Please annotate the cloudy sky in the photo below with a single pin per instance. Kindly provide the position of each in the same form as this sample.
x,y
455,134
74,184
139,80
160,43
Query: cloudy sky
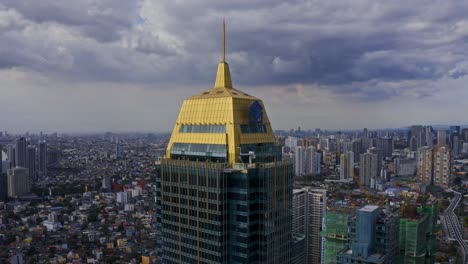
x,y
119,65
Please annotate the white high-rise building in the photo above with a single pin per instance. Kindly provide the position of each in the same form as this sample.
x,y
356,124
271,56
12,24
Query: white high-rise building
x,y
347,166
424,165
309,207
313,159
299,161
442,167
18,182
291,143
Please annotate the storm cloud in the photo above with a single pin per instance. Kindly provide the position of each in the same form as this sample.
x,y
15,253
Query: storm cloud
x,y
367,50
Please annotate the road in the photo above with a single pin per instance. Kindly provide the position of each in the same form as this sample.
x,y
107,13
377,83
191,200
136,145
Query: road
x,y
454,227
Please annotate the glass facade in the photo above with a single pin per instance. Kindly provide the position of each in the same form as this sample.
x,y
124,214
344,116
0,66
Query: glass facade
x,y
202,129
253,128
209,212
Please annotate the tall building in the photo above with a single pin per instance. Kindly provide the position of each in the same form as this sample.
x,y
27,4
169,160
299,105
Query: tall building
x,y
224,194
11,155
418,234
464,135
32,162
118,150
375,237
368,169
299,161
386,145
442,167
347,166
313,159
21,152
335,232
309,207
417,133
3,187
42,159
441,137
429,136
424,165
18,182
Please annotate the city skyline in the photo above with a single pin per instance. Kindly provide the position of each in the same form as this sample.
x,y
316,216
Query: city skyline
x,y
126,66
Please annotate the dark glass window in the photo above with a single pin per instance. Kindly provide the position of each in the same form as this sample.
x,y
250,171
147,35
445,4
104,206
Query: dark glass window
x,y
202,129
253,128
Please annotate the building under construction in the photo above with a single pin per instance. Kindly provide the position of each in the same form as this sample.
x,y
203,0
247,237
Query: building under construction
x,y
335,232
418,229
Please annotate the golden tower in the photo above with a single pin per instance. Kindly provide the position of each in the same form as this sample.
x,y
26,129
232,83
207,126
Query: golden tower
x,y
220,116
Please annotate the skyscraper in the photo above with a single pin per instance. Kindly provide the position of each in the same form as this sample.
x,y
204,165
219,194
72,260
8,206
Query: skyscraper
x,y
42,159
376,237
299,161
3,186
11,155
424,165
21,152
429,136
417,132
18,182
441,137
313,160
368,171
386,145
32,162
224,194
347,166
442,167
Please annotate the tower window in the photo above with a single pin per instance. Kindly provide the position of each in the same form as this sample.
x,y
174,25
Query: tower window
x,y
202,129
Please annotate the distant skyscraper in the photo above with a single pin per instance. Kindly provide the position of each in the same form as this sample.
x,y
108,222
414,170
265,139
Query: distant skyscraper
x,y
429,136
347,166
32,162
11,155
464,135
3,186
376,237
424,165
18,182
386,145
224,194
313,160
299,161
43,159
118,150
441,137
442,167
21,152
417,132
368,169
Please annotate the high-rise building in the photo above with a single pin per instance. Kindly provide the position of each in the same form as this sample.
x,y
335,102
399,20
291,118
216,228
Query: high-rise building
x,y
118,150
347,166
424,165
386,145
335,232
42,159
3,187
464,134
429,136
375,237
442,167
1,158
313,160
299,161
417,132
21,152
308,212
32,162
224,194
441,137
11,155
18,182
368,169
418,234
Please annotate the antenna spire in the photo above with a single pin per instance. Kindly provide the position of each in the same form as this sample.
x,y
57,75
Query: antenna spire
x,y
224,41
